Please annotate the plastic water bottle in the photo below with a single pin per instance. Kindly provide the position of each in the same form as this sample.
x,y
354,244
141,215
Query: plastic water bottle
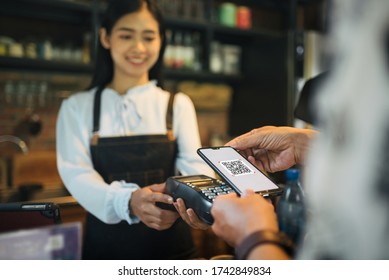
x,y
290,208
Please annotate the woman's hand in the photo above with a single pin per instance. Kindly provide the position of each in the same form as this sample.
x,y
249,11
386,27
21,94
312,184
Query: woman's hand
x,y
143,205
189,216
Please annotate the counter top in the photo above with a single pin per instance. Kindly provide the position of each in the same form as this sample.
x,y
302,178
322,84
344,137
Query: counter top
x,y
62,200
45,194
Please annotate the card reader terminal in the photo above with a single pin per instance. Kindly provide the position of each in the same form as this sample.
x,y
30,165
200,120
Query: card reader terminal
x,y
198,193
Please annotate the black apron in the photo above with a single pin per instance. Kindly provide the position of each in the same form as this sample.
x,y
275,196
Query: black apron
x,y
145,160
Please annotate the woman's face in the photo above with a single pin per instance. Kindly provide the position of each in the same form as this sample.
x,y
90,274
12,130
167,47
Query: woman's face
x,y
134,43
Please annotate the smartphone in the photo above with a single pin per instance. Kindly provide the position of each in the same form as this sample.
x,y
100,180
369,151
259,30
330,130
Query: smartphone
x,y
237,171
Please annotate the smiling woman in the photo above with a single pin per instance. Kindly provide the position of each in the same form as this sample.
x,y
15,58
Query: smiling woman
x,y
119,141
120,26
134,43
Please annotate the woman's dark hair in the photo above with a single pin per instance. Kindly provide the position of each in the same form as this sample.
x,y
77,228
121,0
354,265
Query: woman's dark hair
x,y
103,72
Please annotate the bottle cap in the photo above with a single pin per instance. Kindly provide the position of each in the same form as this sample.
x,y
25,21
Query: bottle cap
x,y
292,174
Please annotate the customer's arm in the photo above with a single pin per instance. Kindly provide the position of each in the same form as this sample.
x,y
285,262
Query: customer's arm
x,y
238,219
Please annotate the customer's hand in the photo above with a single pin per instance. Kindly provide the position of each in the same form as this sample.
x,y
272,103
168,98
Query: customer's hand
x,y
189,216
237,217
273,148
143,205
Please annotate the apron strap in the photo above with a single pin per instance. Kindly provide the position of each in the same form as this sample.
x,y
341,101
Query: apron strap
x,y
96,116
96,110
169,117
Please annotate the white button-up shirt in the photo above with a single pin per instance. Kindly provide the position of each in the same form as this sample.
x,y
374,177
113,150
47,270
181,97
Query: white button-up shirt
x,y
142,110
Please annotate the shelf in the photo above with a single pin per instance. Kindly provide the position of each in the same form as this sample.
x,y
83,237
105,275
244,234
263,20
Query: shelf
x,y
63,4
260,91
43,65
281,5
202,25
181,74
220,29
186,23
56,10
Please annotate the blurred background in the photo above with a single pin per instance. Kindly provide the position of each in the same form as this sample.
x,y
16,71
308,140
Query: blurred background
x,y
242,62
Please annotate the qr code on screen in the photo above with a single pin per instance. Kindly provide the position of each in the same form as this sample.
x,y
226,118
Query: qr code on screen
x,y
236,167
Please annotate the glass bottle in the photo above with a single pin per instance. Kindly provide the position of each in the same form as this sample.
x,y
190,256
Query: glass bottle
x,y
216,58
169,55
197,60
189,51
179,50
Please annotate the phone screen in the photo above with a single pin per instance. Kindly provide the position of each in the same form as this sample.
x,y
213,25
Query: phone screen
x,y
237,170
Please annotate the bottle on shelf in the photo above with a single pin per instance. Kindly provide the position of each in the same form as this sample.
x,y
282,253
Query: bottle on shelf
x,y
243,17
179,50
198,9
47,50
168,58
216,59
231,59
196,41
227,14
189,51
187,8
290,208
30,48
86,48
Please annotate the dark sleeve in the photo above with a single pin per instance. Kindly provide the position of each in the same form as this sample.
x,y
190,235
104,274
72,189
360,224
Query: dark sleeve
x,y
304,109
